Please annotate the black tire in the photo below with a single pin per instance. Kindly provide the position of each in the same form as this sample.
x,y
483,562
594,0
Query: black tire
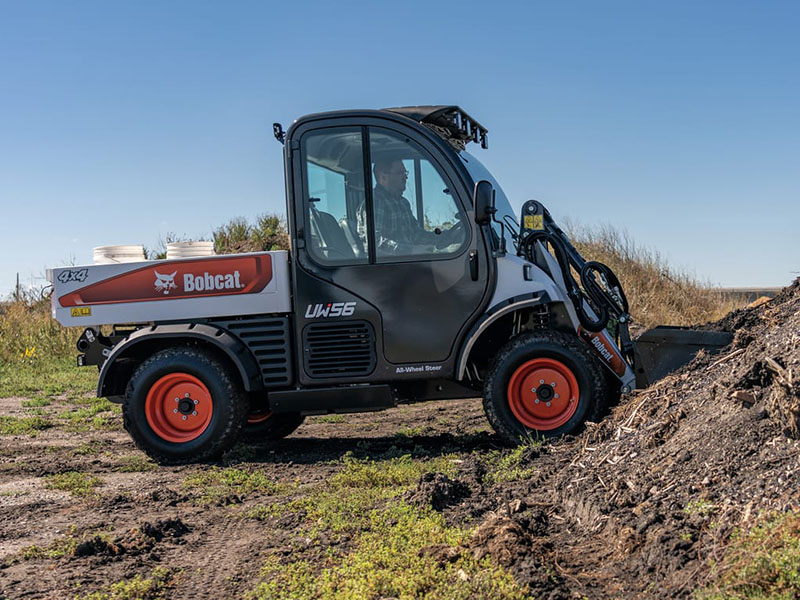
x,y
221,407
275,427
524,358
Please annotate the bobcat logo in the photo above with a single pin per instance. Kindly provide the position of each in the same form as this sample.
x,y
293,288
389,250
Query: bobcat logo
x,y
165,283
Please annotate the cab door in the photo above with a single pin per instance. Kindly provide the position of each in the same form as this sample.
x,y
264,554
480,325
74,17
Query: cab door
x,y
384,233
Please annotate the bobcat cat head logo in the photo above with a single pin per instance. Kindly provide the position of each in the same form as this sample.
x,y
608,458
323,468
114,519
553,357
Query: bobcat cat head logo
x,y
165,283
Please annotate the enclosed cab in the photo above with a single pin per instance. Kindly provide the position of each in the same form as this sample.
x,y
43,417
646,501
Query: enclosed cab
x,y
409,278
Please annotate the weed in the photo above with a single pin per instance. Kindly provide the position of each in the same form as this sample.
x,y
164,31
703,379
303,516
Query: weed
x,y
343,504
135,463
389,561
331,419
136,588
13,493
216,484
762,562
88,448
513,465
74,482
411,431
23,425
37,402
63,546
700,507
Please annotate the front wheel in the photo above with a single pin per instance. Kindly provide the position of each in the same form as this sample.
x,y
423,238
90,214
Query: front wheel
x,y
543,383
183,405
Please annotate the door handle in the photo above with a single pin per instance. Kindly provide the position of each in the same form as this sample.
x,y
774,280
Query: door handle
x,y
473,264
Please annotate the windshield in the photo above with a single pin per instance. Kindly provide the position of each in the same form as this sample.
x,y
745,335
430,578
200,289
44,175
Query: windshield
x,y
505,213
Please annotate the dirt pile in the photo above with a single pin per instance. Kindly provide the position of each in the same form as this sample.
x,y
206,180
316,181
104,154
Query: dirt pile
x,y
639,504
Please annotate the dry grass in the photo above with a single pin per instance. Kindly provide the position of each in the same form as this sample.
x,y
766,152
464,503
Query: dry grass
x,y
28,332
658,294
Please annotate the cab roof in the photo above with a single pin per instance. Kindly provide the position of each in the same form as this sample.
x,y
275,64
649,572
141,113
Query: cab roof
x,y
451,122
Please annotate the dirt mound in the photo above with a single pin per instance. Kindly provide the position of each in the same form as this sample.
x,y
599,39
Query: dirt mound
x,y
654,491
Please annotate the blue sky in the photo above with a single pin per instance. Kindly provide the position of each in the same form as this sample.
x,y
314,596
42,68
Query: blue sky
x,y
676,121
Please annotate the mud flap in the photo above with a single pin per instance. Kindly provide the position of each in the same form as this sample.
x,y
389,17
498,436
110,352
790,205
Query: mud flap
x,y
663,349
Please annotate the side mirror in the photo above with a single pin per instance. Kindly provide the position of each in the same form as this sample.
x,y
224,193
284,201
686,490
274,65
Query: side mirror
x,y
483,201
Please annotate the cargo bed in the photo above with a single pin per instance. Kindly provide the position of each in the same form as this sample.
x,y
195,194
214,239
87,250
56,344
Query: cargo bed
x,y
167,290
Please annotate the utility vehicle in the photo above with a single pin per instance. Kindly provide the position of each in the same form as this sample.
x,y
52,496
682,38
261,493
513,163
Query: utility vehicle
x,y
487,304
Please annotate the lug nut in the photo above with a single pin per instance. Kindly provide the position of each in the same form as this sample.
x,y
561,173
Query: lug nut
x,y
556,396
177,399
186,395
194,413
184,417
174,410
548,404
197,401
553,384
536,401
541,381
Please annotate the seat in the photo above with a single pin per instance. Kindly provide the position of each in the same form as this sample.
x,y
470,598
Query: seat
x,y
351,233
332,243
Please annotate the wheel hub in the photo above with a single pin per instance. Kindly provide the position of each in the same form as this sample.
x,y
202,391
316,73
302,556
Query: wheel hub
x,y
178,407
543,394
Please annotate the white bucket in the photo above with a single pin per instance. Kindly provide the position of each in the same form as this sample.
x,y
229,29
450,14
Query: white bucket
x,y
189,249
109,255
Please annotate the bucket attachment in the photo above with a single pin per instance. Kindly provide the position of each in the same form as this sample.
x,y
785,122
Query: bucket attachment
x,y
663,349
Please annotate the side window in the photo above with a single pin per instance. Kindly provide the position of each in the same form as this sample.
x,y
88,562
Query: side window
x,y
334,169
415,212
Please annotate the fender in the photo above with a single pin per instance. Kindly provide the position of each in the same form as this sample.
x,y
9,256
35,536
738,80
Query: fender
x,y
495,312
230,345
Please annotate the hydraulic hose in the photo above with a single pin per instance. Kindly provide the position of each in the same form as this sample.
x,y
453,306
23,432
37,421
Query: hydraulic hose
x,y
607,302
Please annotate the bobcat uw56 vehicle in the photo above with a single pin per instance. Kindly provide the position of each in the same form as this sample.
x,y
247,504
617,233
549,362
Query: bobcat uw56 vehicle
x,y
352,320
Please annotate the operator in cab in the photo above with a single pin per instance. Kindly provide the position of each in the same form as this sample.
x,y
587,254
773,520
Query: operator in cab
x,y
397,230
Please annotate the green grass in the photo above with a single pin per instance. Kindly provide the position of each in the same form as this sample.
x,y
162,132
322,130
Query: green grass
x,y
510,465
215,483
331,419
136,588
45,377
58,548
76,483
135,463
23,425
342,504
411,431
386,538
760,563
37,402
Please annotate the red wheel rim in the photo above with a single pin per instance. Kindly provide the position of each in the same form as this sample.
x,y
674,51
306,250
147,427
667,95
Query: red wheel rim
x,y
543,394
258,417
178,407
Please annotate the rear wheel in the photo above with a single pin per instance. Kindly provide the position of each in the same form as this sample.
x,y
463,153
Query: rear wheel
x,y
543,383
263,425
182,405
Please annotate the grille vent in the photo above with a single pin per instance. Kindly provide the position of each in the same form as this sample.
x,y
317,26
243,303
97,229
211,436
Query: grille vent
x,y
340,349
267,338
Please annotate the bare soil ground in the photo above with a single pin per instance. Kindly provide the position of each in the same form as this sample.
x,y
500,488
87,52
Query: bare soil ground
x,y
637,506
